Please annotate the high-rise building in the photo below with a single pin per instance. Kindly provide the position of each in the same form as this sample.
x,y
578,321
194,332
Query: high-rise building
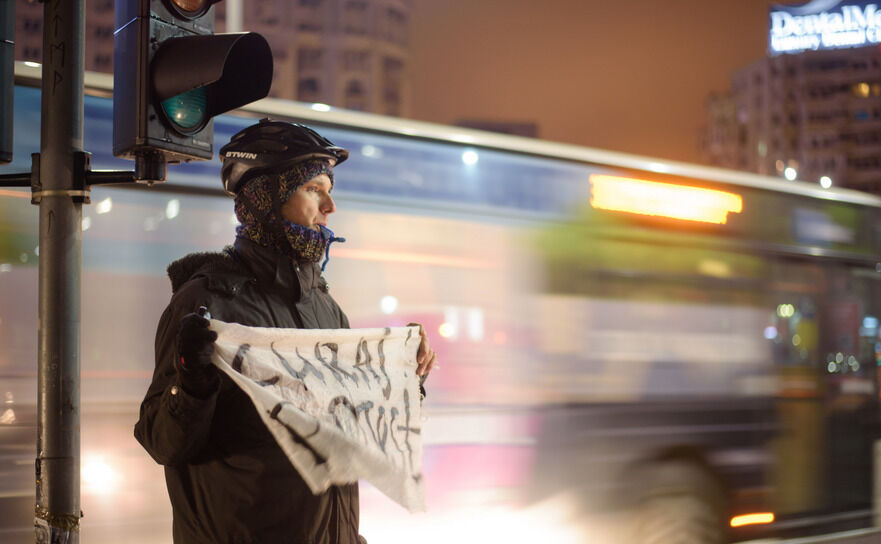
x,y
99,33
346,53
814,115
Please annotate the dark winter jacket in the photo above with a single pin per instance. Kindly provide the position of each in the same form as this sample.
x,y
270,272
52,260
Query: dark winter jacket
x,y
228,480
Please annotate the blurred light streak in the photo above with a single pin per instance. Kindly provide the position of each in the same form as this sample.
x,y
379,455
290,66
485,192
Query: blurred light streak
x,y
371,151
99,476
752,519
172,209
446,330
716,269
388,304
474,323
15,194
662,199
555,521
470,157
8,417
116,374
785,310
320,107
104,206
463,138
659,167
451,323
411,257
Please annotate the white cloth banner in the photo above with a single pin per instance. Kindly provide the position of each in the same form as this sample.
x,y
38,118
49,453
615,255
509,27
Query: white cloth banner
x,y
343,404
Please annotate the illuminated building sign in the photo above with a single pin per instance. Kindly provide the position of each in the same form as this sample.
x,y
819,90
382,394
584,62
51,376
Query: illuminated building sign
x,y
662,199
824,24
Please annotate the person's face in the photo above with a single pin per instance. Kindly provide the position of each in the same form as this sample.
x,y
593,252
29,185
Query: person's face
x,y
310,204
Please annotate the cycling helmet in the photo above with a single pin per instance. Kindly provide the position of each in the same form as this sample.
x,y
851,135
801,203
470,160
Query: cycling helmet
x,y
272,146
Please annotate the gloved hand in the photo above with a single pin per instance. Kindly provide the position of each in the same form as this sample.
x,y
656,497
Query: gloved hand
x,y
195,344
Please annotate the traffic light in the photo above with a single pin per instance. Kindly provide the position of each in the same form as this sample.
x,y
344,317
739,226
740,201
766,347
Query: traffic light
x,y
172,75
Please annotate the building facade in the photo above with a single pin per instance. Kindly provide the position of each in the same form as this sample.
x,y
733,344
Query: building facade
x,y
814,115
99,33
346,53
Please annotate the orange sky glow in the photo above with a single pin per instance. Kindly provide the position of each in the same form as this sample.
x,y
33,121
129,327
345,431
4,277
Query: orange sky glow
x,y
624,75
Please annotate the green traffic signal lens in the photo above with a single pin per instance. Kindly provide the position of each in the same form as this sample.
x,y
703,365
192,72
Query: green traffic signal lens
x,y
187,111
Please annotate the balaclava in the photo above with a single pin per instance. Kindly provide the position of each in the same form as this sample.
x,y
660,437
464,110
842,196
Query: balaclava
x,y
258,209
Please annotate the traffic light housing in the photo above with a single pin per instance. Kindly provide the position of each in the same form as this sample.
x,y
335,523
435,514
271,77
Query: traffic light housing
x,y
172,75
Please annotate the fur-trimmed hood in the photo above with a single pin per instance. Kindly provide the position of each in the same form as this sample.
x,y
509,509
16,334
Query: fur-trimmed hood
x,y
227,271
186,268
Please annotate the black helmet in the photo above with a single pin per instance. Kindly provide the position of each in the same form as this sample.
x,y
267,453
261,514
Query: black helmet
x,y
272,146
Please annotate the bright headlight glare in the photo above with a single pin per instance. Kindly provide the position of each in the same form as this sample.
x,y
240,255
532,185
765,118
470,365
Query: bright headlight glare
x,y
99,476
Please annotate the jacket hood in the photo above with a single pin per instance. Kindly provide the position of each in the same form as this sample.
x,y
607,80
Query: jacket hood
x,y
188,267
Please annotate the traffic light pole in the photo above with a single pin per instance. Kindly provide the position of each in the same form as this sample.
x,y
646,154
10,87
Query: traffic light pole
x,y
232,70
57,511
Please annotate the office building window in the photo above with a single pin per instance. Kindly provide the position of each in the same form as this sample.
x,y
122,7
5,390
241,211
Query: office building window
x,y
356,60
310,15
309,58
308,89
355,19
355,95
394,27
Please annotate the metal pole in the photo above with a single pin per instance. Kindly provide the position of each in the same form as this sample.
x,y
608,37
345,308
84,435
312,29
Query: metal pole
x,y
58,402
234,16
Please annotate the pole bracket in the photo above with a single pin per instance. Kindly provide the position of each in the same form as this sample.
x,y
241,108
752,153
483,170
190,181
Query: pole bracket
x,y
80,194
83,179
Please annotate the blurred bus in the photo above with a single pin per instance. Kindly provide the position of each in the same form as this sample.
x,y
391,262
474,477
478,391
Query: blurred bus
x,y
631,350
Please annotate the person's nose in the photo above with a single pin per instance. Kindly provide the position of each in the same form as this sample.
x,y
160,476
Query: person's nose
x,y
328,206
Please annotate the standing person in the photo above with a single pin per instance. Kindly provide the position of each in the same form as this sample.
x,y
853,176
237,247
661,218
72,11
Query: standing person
x,y
227,478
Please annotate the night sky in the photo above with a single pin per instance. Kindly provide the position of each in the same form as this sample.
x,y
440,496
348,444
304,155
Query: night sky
x,y
624,75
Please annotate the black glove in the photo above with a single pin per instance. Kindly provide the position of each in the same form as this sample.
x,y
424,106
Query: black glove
x,y
195,344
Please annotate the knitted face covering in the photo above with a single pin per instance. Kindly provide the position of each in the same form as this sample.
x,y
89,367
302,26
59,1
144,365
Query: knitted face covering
x,y
258,209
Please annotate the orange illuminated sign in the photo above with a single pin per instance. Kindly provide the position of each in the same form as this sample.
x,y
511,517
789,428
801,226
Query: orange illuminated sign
x,y
752,519
662,199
